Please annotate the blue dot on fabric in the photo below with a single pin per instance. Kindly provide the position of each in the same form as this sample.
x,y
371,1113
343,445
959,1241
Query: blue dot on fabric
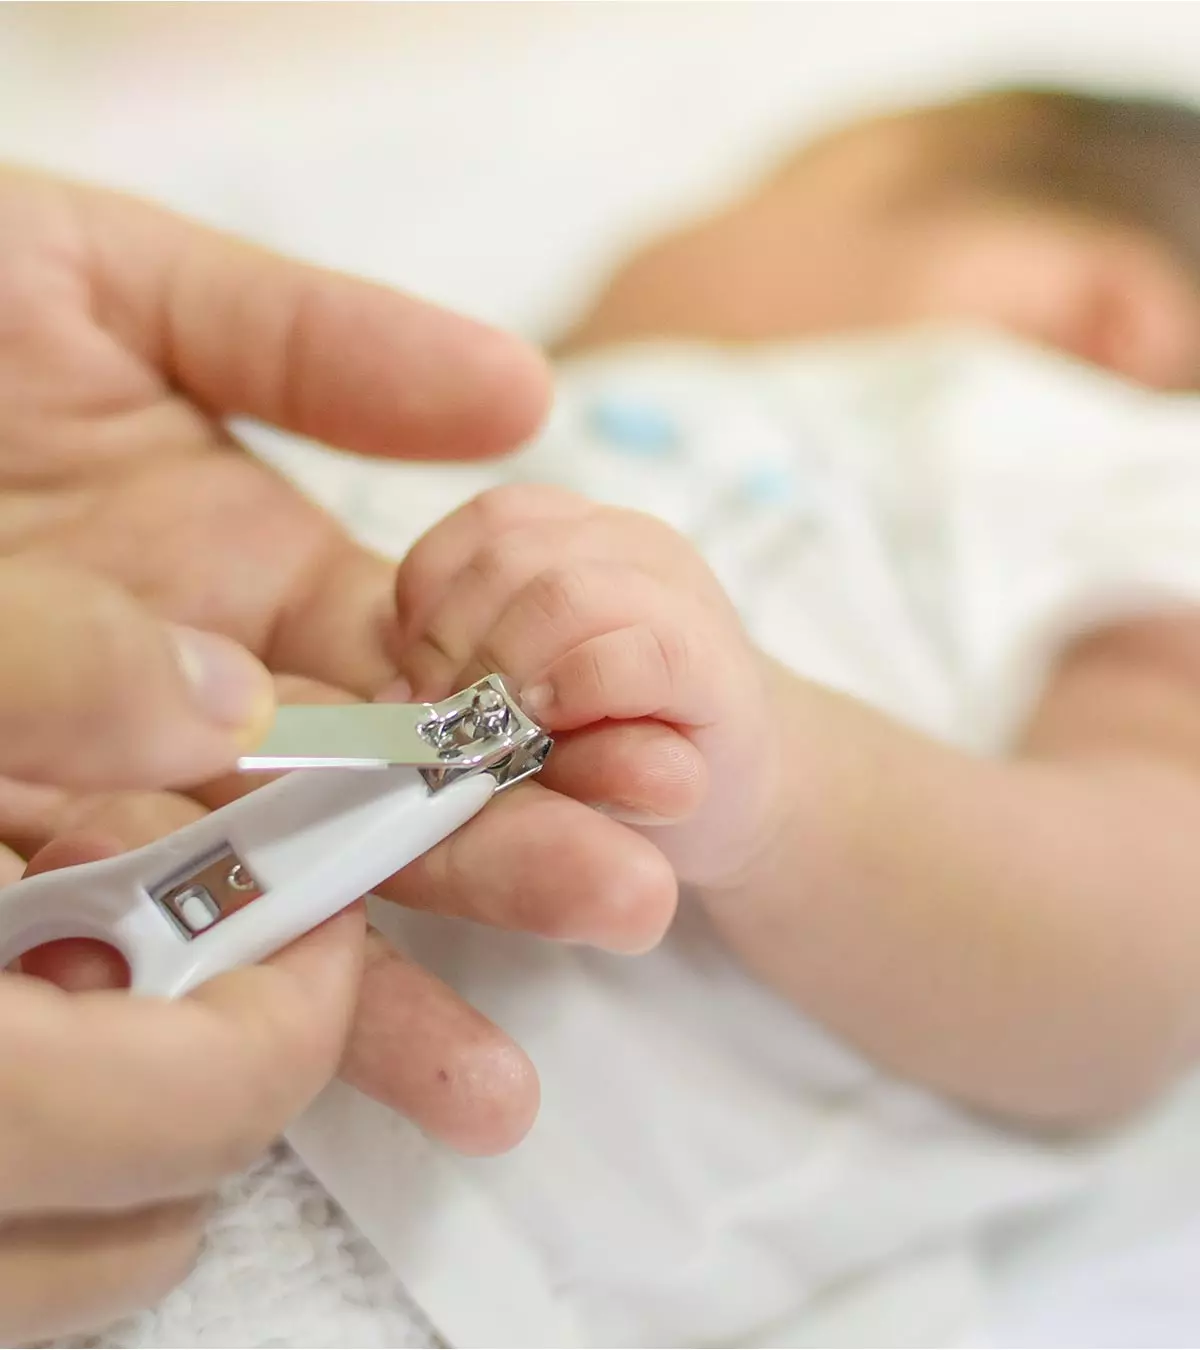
x,y
768,485
634,427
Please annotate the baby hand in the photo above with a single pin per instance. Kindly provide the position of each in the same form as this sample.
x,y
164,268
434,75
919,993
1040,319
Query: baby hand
x,y
619,640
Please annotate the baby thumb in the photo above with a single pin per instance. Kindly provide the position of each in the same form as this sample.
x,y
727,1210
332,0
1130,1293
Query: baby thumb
x,y
97,693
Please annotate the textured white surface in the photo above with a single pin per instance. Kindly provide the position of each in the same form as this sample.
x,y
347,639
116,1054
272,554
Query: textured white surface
x,y
280,1267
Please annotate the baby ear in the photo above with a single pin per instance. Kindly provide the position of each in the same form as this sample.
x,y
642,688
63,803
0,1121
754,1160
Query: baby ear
x,y
1137,312
1102,293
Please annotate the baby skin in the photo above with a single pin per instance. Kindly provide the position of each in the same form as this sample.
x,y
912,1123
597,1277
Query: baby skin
x,y
1016,933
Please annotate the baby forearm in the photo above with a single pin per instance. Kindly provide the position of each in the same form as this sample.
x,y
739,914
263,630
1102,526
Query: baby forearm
x,y
1025,936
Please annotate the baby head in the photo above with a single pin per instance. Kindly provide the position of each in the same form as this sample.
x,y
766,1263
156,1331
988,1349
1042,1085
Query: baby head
x,y
1070,219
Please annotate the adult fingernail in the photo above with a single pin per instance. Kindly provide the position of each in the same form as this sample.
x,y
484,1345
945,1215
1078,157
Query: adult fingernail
x,y
229,686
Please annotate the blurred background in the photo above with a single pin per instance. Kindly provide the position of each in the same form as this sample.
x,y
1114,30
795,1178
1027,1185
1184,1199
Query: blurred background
x,y
499,156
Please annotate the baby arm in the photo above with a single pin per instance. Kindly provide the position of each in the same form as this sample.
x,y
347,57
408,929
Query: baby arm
x,y
1020,934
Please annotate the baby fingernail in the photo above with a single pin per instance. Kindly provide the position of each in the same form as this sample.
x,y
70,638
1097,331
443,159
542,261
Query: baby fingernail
x,y
399,691
228,684
536,700
628,815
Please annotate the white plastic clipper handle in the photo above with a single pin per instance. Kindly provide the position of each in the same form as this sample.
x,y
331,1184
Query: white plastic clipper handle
x,y
298,850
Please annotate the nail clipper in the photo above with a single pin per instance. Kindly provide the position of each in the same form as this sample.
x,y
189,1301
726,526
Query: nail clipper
x,y
375,785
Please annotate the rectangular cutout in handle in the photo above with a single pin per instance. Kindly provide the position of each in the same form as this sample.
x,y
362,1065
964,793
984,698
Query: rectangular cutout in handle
x,y
212,888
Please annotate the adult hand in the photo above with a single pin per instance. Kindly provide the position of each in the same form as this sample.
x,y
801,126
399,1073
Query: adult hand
x,y
127,336
119,1115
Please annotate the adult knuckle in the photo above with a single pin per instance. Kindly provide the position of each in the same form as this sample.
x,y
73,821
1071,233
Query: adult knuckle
x,y
268,1087
66,1276
173,1255
236,1133
240,1145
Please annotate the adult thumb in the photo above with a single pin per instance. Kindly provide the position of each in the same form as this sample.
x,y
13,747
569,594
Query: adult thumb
x,y
97,693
